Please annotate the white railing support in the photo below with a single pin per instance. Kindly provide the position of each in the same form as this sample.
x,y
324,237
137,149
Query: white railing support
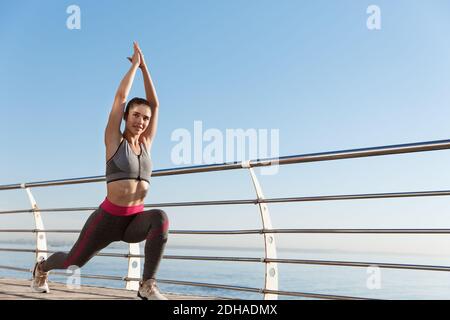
x,y
270,249
134,267
41,237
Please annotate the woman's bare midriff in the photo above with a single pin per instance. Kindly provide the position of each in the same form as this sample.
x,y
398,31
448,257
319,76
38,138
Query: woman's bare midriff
x,y
127,192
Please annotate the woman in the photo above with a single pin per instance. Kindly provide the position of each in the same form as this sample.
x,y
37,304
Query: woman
x,y
121,216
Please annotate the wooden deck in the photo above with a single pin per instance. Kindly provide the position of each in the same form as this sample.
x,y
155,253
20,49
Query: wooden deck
x,y
19,289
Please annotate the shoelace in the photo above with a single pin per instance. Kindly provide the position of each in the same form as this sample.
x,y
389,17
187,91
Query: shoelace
x,y
150,288
40,276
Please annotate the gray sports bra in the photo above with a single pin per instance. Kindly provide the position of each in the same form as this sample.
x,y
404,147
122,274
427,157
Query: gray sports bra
x,y
125,164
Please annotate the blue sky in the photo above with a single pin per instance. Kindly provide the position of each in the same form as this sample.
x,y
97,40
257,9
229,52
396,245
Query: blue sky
x,y
312,70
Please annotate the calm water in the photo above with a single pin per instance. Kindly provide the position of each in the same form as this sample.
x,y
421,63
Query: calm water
x,y
349,281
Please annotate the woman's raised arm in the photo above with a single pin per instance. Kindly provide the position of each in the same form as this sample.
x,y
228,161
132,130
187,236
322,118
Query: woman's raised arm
x,y
112,131
150,93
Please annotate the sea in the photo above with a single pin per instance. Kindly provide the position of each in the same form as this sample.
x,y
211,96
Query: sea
x,y
366,282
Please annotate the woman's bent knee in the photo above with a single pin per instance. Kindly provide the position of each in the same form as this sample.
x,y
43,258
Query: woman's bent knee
x,y
161,217
164,221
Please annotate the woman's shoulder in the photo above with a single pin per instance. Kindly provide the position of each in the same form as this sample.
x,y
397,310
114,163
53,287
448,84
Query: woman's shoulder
x,y
112,149
146,142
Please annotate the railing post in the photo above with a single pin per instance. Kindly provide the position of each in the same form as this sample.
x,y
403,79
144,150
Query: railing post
x,y
134,267
41,237
270,249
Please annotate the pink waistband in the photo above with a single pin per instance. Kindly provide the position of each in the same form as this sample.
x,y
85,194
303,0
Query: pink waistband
x,y
116,210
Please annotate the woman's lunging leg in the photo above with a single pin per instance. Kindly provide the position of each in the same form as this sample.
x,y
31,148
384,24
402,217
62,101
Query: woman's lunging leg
x,y
152,226
95,235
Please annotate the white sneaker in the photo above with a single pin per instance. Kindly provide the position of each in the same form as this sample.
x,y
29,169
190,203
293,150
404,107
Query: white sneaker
x,y
39,282
148,290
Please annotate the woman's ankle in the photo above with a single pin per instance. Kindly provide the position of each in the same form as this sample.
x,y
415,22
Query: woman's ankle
x,y
41,266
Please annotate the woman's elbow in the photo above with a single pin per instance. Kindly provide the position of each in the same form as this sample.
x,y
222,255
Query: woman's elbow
x,y
120,97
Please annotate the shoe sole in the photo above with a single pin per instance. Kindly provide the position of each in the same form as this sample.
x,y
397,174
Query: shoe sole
x,y
39,290
145,298
139,295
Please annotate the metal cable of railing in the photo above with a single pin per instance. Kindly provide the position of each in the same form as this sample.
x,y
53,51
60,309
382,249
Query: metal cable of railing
x,y
205,285
302,158
270,260
261,231
256,201
263,260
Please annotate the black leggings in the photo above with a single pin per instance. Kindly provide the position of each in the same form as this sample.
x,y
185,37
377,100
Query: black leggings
x,y
102,228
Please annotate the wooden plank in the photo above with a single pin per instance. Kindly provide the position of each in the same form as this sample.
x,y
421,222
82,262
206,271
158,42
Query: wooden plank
x,y
19,289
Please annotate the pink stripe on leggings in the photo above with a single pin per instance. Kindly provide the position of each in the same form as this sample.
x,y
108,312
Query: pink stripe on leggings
x,y
83,241
161,230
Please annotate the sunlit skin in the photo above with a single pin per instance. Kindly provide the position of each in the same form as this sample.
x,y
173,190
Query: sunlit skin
x,y
140,127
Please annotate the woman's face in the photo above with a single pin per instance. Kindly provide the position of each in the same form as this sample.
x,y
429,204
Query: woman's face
x,y
138,118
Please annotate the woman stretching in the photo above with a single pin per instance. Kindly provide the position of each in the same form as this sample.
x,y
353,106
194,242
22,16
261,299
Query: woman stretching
x,y
121,216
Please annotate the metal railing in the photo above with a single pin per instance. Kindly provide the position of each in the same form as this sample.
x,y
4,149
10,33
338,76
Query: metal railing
x,y
270,260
